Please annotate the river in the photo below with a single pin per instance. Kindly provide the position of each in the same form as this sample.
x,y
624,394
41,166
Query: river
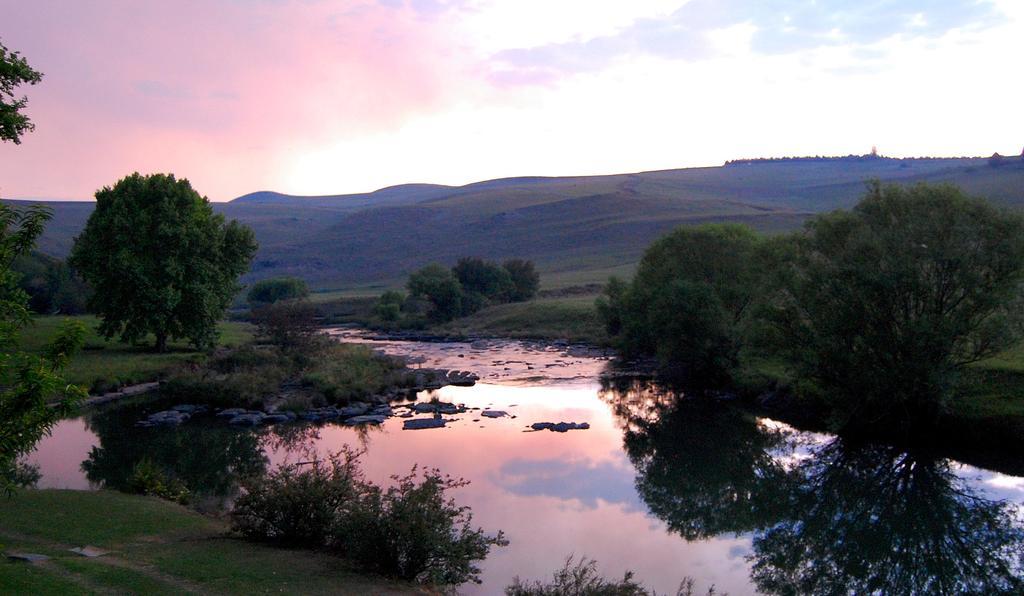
x,y
659,484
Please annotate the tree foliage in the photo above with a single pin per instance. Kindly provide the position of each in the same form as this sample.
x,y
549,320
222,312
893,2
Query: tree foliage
x,y
441,288
33,394
389,306
525,279
14,71
490,280
883,306
269,291
688,302
52,286
160,261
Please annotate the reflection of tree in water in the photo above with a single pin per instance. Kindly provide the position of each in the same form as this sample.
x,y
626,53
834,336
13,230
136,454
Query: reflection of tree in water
x,y
208,459
704,468
844,520
877,519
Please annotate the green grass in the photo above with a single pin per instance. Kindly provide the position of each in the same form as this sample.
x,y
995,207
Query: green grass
x,y
114,363
573,318
157,548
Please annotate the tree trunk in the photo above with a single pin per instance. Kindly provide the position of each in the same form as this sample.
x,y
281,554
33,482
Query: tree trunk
x,y
161,342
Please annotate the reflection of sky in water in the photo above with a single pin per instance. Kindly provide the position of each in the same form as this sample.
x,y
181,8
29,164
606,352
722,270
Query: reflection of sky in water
x,y
553,494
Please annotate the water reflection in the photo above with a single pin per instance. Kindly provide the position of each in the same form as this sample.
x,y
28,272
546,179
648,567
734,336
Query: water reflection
x,y
826,517
704,468
872,518
208,458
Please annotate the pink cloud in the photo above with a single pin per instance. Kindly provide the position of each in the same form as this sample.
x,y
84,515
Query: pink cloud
x,y
216,91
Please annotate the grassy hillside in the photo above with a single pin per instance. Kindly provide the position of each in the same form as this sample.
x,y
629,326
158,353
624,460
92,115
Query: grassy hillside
x,y
577,228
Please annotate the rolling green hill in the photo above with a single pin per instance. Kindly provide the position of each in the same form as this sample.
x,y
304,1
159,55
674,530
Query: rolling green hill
x,y
577,229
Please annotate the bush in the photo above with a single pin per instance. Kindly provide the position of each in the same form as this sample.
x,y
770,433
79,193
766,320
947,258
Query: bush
x,y
410,531
389,306
582,579
525,279
288,324
345,373
244,377
51,285
269,291
147,478
299,505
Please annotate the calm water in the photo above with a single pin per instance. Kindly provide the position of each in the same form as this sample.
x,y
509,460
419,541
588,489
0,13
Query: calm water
x,y
664,486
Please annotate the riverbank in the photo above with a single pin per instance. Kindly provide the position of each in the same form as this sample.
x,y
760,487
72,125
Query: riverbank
x,y
563,316
983,426
156,547
108,365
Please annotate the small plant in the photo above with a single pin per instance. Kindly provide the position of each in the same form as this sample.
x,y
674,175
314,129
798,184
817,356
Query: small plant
x,y
581,578
149,479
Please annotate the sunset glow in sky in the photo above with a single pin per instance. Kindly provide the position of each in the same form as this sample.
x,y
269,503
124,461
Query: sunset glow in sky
x,y
331,96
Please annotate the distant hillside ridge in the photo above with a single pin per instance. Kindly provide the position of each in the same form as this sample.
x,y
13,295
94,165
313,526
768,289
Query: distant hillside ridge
x,y
578,229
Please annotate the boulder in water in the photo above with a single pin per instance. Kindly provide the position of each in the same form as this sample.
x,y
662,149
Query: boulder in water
x,y
560,427
422,423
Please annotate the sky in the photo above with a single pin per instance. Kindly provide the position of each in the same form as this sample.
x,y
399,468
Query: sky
x,y
338,96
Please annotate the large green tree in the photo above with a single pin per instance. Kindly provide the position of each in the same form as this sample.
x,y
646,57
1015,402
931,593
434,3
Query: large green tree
x,y
160,261
883,306
439,286
688,303
14,71
33,394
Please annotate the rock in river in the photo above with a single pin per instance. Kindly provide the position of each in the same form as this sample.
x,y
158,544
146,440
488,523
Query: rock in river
x,y
247,419
560,427
494,413
367,419
165,418
422,423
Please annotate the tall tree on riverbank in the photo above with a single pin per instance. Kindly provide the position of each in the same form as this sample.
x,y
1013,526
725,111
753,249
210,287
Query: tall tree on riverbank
x,y
881,307
689,301
160,261
14,71
33,394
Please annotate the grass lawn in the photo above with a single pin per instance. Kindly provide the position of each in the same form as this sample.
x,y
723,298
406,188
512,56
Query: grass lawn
x,y
108,363
157,548
573,318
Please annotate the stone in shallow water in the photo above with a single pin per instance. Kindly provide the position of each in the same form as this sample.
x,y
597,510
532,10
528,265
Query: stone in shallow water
x,y
494,413
560,427
232,412
189,409
275,418
165,418
247,419
354,410
422,423
368,419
